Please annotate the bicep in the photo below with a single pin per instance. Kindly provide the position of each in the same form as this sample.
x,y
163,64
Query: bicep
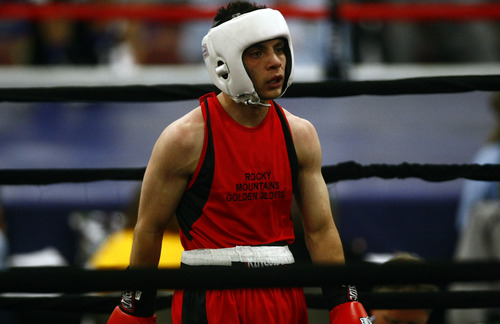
x,y
312,194
160,193
170,167
313,200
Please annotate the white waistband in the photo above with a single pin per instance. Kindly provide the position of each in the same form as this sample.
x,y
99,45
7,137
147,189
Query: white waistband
x,y
255,256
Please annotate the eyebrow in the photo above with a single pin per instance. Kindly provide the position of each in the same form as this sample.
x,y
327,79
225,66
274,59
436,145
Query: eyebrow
x,y
280,42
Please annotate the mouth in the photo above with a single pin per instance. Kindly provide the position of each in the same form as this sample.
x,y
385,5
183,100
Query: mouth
x,y
276,81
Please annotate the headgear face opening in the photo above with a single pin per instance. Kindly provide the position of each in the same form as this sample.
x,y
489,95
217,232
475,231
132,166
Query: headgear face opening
x,y
223,48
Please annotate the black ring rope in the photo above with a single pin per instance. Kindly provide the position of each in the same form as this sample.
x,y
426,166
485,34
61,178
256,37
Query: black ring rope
x,y
418,300
343,171
71,303
52,176
105,304
76,280
327,89
430,172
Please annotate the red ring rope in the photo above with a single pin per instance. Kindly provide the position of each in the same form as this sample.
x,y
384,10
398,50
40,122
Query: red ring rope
x,y
167,12
351,12
355,12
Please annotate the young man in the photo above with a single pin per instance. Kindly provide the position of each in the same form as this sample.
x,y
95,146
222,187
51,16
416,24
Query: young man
x,y
228,170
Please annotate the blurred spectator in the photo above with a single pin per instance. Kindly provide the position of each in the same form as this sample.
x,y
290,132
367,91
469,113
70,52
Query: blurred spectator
x,y
478,225
479,229
142,42
403,316
15,42
479,241
476,191
399,41
126,44
61,41
153,42
92,227
115,251
440,42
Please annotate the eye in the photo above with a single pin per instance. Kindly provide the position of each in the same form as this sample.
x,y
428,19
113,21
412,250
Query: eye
x,y
255,53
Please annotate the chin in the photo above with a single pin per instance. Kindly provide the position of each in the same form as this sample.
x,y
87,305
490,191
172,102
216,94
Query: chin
x,y
270,95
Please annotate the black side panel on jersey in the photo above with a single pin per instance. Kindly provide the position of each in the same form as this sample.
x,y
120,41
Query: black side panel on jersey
x,y
195,198
290,147
194,309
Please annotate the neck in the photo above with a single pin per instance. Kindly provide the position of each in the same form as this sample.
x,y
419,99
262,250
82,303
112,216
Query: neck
x,y
246,115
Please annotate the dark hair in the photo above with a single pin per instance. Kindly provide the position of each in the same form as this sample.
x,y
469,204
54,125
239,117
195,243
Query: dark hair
x,y
234,9
406,258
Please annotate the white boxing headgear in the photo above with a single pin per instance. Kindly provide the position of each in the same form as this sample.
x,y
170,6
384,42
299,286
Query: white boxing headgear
x,y
223,48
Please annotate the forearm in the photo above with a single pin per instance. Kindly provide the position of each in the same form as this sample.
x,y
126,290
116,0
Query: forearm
x,y
325,247
146,248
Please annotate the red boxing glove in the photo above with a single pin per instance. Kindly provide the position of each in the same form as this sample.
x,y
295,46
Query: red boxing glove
x,y
120,317
349,313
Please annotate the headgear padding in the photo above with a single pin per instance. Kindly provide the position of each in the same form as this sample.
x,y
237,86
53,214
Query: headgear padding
x,y
223,48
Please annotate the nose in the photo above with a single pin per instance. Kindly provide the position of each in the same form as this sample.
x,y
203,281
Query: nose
x,y
274,61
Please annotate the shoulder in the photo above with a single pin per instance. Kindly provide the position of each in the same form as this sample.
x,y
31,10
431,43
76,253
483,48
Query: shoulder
x,y
299,126
185,130
305,138
181,142
303,131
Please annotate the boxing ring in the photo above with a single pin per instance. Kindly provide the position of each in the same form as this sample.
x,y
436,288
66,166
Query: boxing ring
x,y
74,283
75,288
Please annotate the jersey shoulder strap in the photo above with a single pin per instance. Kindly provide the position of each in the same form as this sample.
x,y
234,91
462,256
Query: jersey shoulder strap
x,y
290,147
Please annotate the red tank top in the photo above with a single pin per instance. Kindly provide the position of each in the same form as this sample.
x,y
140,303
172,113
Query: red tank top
x,y
241,191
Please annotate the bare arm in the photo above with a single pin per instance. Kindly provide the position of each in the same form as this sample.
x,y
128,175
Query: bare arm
x,y
321,235
172,163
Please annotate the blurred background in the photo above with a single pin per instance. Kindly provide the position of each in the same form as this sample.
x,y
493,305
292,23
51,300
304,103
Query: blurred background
x,y
65,224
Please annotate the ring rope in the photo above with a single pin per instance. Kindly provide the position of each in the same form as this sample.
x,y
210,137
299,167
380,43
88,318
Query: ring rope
x,y
425,12
429,172
76,280
416,300
171,13
326,89
53,176
178,13
343,171
71,303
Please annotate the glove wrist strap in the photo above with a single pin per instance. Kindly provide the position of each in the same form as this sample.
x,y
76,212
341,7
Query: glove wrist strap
x,y
336,295
140,303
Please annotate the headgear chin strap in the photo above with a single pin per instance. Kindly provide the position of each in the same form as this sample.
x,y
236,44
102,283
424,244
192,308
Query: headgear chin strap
x,y
223,48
